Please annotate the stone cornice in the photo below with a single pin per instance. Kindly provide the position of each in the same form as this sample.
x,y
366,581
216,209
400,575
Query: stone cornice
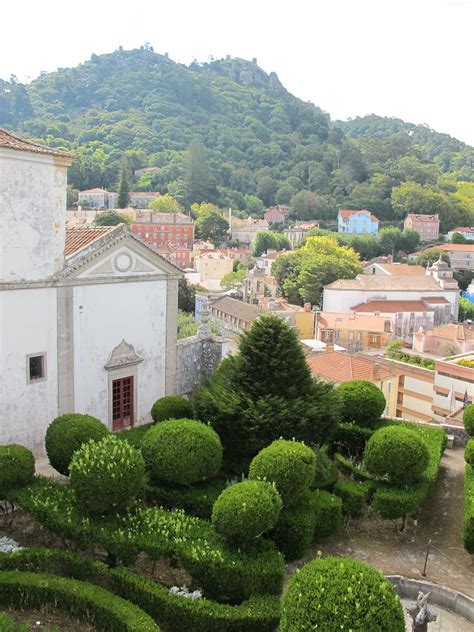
x,y
53,283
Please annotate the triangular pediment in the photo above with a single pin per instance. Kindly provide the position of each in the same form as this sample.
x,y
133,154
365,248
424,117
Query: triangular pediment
x,y
123,257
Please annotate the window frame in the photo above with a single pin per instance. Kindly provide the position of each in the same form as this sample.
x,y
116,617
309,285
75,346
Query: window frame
x,y
44,376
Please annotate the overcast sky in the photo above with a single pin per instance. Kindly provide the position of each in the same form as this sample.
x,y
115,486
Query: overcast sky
x,y
412,59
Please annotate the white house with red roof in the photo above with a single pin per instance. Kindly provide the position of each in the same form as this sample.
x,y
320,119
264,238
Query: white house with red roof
x,y
353,222
88,316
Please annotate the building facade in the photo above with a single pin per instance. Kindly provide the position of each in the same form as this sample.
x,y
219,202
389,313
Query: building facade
x,y
276,214
466,231
357,222
427,226
297,233
356,332
461,256
170,234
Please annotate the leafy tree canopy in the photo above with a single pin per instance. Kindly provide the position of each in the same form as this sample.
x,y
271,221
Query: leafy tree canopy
x,y
164,204
111,218
269,240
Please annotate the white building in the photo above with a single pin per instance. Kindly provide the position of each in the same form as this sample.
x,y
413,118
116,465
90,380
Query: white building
x,y
88,318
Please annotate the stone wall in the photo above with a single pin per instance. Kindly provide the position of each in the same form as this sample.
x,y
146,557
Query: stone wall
x,y
197,357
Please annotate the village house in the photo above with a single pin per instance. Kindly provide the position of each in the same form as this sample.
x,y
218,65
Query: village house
x,y
212,267
170,234
448,339
357,222
102,199
259,283
394,269
88,315
461,256
245,230
356,332
276,214
427,226
466,231
297,233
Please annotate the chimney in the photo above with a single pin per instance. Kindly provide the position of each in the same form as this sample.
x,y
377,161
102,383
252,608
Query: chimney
x,y
376,371
271,304
307,307
329,347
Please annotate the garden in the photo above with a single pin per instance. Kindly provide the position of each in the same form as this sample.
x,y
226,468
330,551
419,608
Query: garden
x,y
190,522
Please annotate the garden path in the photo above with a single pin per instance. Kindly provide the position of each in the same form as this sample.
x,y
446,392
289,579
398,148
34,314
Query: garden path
x,y
376,541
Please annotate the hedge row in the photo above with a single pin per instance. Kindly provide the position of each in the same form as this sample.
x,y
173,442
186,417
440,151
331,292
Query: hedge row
x,y
197,500
468,532
346,466
353,496
86,602
174,612
395,502
189,542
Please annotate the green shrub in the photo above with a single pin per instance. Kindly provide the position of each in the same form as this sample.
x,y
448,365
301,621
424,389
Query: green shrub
x,y
134,436
107,475
468,420
294,531
328,513
356,597
353,496
192,544
17,467
182,451
81,600
66,434
245,511
197,500
260,613
326,473
291,465
172,407
469,452
468,528
397,453
347,467
361,402
351,439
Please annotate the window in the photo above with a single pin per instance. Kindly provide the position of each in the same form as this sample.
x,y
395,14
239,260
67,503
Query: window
x,y
122,403
36,368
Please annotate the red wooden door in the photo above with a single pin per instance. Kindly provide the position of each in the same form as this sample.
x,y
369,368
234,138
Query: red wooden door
x,y
122,403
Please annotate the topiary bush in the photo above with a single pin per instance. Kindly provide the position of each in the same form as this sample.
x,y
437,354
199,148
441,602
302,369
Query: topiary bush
x,y
356,597
172,407
17,467
326,473
398,453
291,465
361,402
182,451
353,496
246,510
66,434
468,420
469,452
107,475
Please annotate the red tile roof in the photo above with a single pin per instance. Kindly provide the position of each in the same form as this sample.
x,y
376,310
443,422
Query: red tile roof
x,y
455,247
435,299
77,238
403,269
96,190
9,140
348,213
343,367
392,307
421,217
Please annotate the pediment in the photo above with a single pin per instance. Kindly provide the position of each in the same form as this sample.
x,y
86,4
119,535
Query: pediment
x,y
123,354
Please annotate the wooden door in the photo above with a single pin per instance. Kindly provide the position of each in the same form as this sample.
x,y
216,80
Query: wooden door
x,y
122,403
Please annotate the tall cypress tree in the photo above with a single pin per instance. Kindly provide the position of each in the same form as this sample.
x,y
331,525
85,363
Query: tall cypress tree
x,y
198,179
123,197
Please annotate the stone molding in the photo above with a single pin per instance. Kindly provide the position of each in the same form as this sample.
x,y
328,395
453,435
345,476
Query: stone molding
x,y
123,355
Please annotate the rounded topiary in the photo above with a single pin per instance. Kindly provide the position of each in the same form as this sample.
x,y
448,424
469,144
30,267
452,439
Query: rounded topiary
x,y
334,594
66,434
398,453
107,475
468,420
172,407
469,452
361,402
17,467
289,464
182,451
246,510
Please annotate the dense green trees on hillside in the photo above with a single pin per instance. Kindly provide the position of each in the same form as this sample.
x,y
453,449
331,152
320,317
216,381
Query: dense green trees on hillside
x,y
229,134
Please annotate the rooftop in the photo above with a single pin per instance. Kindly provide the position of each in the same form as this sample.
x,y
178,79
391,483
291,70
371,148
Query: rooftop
x,y
343,367
348,213
237,309
402,269
147,217
454,331
423,218
387,283
455,247
78,238
10,141
361,322
392,307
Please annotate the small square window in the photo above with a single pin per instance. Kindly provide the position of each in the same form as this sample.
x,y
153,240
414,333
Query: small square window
x,y
36,368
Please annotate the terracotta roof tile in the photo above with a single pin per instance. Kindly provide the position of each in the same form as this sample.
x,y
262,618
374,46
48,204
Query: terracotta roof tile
x,y
387,283
392,307
403,269
343,367
432,300
455,247
423,218
238,309
348,213
357,322
9,140
77,238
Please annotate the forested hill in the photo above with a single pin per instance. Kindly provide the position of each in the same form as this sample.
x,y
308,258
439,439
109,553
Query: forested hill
x,y
262,144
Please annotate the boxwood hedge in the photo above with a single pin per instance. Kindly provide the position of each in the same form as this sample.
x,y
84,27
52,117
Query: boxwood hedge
x,y
17,467
197,500
328,513
468,530
353,496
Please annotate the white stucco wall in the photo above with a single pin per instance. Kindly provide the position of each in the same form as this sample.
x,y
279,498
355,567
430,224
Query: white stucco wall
x,y
33,205
103,315
27,326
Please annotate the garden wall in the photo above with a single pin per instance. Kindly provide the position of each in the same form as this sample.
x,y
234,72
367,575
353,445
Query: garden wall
x,y
197,357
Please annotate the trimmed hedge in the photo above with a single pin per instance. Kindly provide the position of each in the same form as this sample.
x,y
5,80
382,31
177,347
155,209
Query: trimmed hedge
x,y
356,597
66,434
294,531
290,465
326,473
353,496
395,502
191,543
351,438
397,453
197,500
107,475
260,613
469,452
172,407
468,530
133,436
182,451
468,420
86,602
328,513
17,467
361,402
346,466
245,511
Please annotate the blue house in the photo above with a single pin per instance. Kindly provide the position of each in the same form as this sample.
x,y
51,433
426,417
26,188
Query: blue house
x,y
357,223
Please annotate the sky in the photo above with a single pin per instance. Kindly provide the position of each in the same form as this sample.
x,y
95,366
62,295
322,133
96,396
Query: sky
x,y
412,59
